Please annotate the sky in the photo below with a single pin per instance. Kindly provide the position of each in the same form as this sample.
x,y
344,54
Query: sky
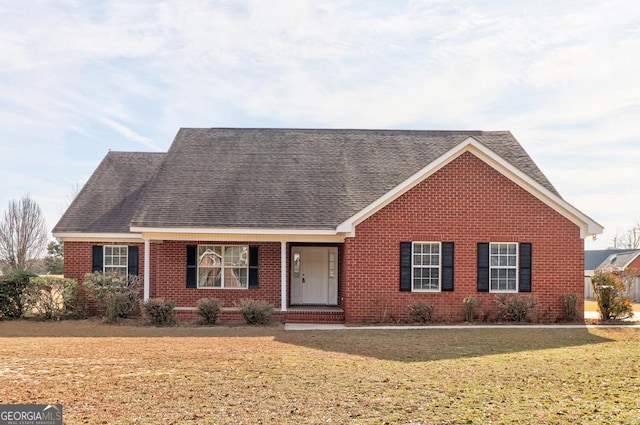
x,y
80,78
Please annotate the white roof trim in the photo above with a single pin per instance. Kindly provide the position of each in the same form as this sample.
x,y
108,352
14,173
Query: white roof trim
x,y
97,236
236,231
588,227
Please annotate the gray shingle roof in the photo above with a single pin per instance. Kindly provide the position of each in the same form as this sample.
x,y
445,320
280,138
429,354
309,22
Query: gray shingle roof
x,y
602,258
618,261
110,197
295,178
271,178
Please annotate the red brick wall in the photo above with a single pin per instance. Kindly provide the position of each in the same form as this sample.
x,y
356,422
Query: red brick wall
x,y
77,258
78,262
465,202
168,278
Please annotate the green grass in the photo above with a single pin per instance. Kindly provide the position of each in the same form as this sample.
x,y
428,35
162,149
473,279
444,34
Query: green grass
x,y
126,374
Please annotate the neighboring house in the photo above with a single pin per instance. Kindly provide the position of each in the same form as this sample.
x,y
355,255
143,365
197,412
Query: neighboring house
x,y
331,225
612,260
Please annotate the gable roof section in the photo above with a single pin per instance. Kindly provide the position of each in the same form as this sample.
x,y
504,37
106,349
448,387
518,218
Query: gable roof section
x,y
110,197
619,261
525,181
296,178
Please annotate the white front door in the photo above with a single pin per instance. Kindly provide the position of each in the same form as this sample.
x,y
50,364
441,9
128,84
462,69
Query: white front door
x,y
314,275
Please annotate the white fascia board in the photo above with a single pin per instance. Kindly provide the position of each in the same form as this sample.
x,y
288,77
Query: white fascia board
x,y
235,231
588,227
97,236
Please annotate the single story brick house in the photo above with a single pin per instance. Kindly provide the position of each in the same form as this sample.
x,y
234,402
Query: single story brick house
x,y
331,225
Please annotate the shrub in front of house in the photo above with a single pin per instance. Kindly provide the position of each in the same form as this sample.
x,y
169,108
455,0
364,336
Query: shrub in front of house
x,y
160,311
51,297
515,307
469,305
255,312
12,287
116,295
610,296
208,310
570,308
421,312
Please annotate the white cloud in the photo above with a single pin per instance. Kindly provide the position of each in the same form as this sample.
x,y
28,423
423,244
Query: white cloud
x,y
130,134
79,77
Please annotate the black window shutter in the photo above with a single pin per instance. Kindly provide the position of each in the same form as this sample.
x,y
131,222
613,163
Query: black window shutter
x,y
525,267
483,267
97,259
405,266
447,266
192,266
253,266
132,263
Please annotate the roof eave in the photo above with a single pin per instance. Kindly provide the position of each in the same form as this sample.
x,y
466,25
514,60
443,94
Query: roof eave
x,y
236,230
98,236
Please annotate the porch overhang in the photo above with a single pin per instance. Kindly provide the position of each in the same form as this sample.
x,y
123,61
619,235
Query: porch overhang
x,y
240,234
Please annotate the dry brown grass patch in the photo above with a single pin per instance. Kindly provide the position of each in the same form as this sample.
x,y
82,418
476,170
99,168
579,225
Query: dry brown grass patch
x,y
126,374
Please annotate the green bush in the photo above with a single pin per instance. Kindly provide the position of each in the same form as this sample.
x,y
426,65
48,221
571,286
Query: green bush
x,y
255,312
470,304
421,312
116,296
12,287
52,297
515,307
570,308
160,311
208,310
609,291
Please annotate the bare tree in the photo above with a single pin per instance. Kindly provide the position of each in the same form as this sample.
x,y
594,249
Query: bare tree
x,y
71,195
629,239
23,233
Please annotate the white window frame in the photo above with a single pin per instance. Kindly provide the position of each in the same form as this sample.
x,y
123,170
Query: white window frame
x,y
515,267
223,267
112,267
420,266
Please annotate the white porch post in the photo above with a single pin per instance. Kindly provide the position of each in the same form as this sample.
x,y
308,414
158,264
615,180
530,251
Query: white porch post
x,y
146,269
283,275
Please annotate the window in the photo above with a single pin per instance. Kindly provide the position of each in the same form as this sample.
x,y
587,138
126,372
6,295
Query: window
x,y
221,266
115,259
426,266
296,264
332,265
503,267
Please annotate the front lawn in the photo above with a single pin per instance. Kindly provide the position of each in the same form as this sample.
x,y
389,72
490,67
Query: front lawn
x,y
128,374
